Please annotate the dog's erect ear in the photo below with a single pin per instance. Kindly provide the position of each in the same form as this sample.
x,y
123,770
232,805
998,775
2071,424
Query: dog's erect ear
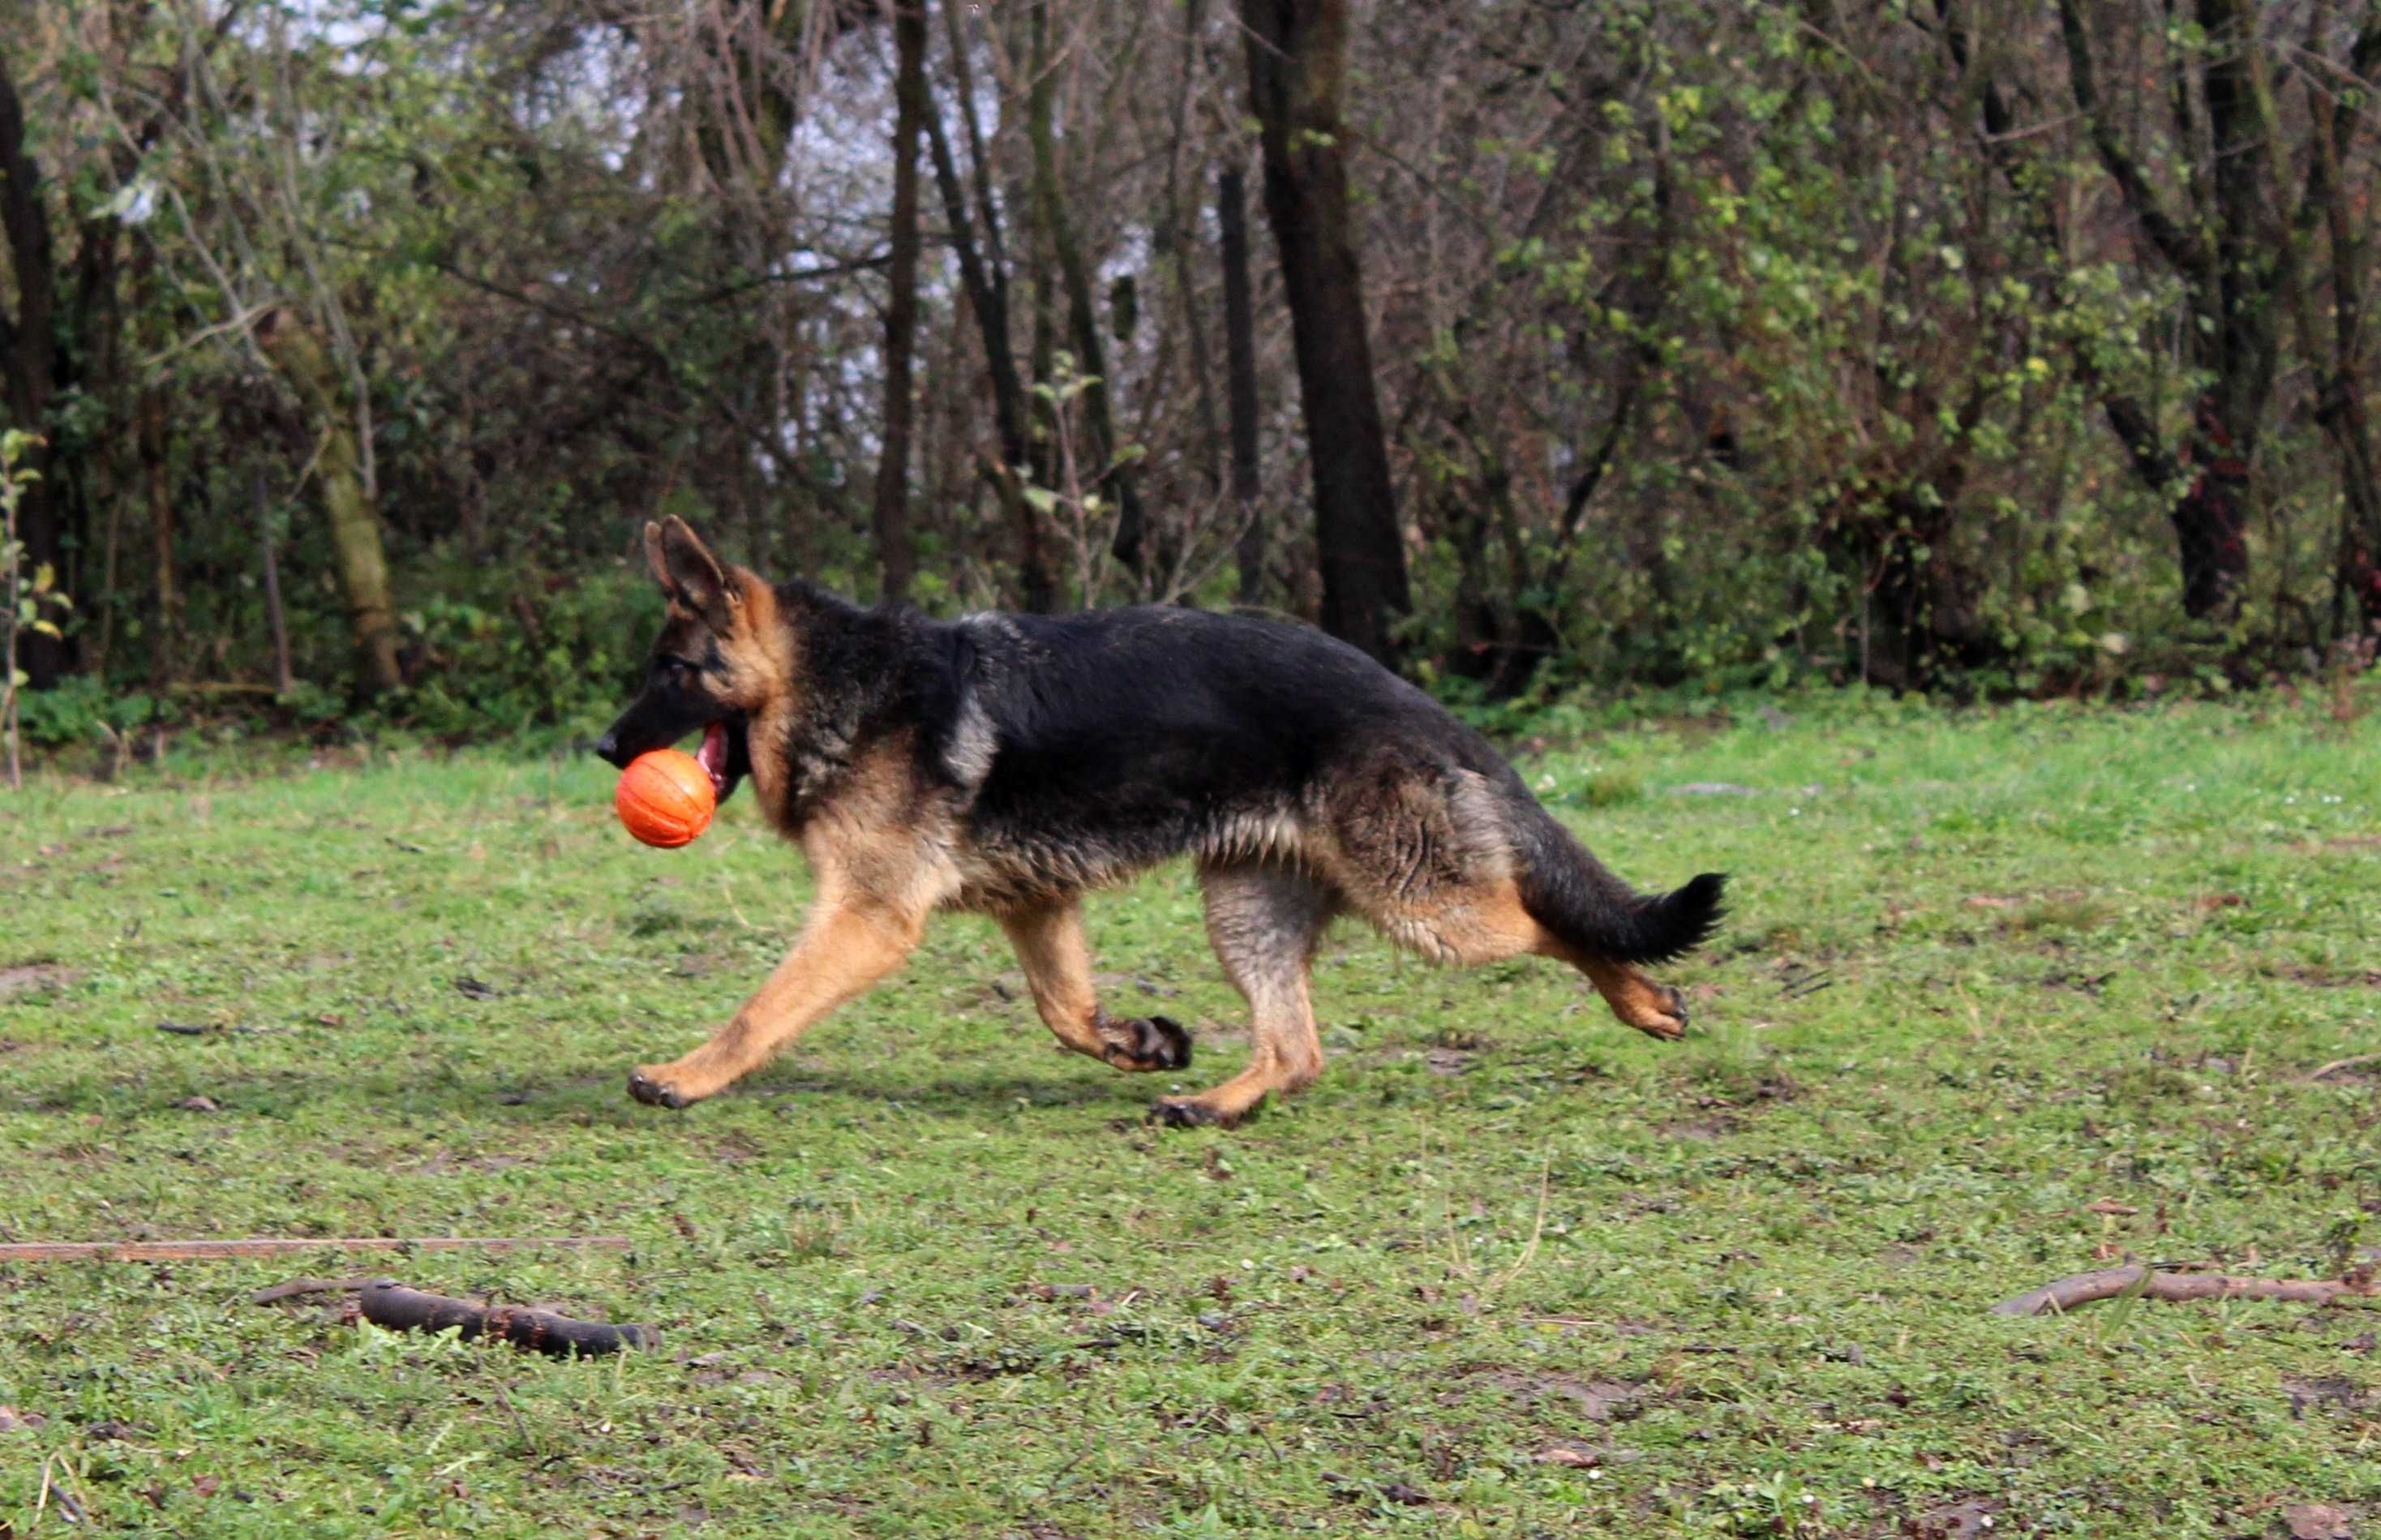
x,y
688,573
654,558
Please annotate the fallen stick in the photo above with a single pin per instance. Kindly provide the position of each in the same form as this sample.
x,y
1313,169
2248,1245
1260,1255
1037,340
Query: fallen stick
x,y
201,1250
386,1302
207,1029
2107,1283
296,1287
2351,1062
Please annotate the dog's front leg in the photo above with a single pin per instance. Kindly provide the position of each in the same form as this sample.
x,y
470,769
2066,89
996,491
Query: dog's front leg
x,y
851,941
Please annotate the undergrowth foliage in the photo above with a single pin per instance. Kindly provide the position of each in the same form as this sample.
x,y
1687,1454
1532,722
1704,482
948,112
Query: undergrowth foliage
x,y
1714,347
497,654
30,602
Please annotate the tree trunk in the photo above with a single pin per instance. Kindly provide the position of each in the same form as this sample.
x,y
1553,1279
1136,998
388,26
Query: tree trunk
x,y
157,484
1042,360
362,565
92,335
1082,317
1502,635
1178,247
2359,554
2234,259
2212,517
896,553
2350,429
30,343
2340,405
982,273
1896,644
1240,370
1297,52
2251,268
283,681
1476,628
2208,510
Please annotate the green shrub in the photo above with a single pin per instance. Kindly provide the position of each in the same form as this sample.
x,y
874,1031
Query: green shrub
x,y
505,653
78,708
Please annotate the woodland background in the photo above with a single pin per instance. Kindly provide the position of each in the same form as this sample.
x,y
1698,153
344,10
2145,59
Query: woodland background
x,y
1963,346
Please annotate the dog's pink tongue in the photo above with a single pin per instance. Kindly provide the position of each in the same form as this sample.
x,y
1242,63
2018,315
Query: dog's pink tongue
x,y
712,755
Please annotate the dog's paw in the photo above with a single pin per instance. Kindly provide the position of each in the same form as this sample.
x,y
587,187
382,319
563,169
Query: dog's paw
x,y
1146,1042
1671,1025
1188,1112
646,1085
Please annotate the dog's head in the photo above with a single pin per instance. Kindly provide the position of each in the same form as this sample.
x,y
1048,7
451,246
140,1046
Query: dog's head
x,y
714,665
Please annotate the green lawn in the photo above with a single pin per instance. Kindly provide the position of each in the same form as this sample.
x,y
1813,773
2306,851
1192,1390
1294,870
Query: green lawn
x,y
1510,1268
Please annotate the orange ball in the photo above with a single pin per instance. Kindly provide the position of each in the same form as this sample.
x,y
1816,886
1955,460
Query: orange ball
x,y
665,798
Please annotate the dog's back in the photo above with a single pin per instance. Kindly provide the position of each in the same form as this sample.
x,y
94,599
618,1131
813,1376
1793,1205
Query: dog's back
x,y
1121,738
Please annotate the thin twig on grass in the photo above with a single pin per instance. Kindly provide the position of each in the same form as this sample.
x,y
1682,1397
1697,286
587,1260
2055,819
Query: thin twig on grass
x,y
296,1287
1537,1233
68,1509
201,1250
211,1029
2349,1063
520,1426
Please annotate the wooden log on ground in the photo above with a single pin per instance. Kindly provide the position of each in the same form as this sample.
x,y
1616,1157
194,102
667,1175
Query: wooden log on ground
x,y
387,1304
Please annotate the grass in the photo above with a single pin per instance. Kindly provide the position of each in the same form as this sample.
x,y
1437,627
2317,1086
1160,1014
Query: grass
x,y
1508,1269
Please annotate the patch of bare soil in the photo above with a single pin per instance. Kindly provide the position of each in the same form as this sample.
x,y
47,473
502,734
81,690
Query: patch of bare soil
x,y
38,977
2319,1522
1599,1400
2329,1395
1955,1521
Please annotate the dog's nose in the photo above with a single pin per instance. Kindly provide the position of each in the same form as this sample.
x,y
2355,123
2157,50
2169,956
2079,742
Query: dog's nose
x,y
607,749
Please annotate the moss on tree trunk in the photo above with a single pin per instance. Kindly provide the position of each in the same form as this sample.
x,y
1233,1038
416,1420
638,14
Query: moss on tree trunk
x,y
357,554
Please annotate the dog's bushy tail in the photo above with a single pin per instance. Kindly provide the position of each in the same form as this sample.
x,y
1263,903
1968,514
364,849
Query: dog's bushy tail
x,y
1569,892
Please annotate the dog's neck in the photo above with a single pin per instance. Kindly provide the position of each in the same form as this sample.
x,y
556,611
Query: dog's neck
x,y
845,664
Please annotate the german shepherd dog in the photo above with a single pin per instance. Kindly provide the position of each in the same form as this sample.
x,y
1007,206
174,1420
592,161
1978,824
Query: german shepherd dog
x,y
1008,763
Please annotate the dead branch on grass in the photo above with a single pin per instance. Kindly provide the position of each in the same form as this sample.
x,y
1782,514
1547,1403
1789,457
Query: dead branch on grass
x,y
2179,1286
389,1305
2351,1062
203,1251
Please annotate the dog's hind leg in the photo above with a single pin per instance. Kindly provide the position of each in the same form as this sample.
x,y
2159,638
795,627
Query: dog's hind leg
x,y
1049,942
1486,921
1656,1009
1265,921
1433,866
851,941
